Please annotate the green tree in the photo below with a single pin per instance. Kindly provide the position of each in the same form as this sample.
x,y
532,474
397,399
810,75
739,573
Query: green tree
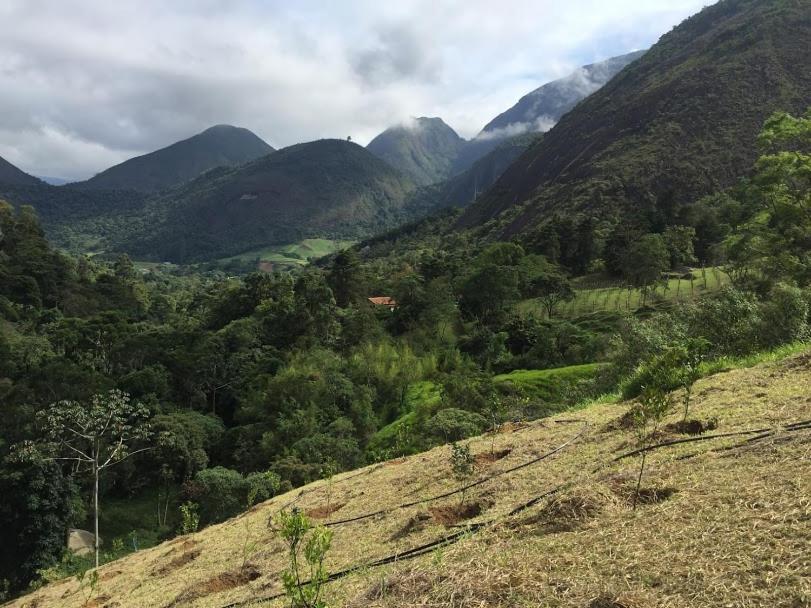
x,y
307,547
552,289
96,435
645,261
654,404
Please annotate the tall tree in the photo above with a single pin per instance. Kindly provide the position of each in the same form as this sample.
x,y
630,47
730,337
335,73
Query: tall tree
x,y
96,435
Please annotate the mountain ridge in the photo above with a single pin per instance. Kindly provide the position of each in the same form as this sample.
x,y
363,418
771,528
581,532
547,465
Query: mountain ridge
x,y
671,127
219,145
9,174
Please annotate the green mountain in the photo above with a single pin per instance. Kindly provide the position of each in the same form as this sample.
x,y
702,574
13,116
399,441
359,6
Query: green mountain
x,y
464,188
326,188
424,148
672,126
540,109
219,146
11,175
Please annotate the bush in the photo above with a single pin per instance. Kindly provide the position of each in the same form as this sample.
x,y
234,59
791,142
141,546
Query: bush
x,y
784,318
730,321
452,424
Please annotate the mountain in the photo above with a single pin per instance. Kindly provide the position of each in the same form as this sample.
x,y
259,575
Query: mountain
x,y
219,146
54,181
543,107
678,123
11,175
423,148
464,188
323,188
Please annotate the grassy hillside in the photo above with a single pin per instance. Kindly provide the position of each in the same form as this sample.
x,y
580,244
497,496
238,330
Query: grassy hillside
x,y
329,189
292,255
721,522
676,124
218,146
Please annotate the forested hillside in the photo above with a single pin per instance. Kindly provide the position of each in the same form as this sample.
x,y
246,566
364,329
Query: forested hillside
x,y
11,175
218,146
676,124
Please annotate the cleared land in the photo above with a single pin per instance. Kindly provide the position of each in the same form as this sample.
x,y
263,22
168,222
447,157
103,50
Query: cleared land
x,y
294,254
600,294
724,520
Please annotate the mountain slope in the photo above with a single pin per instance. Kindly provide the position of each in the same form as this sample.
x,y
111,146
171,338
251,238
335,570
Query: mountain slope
x,y
678,123
218,146
550,524
424,148
11,175
464,188
328,188
543,107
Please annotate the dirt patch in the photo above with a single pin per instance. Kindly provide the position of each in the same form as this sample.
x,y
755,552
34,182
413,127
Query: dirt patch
x,y
692,426
511,427
97,602
489,457
569,510
177,563
395,461
414,524
217,584
448,515
623,423
624,487
110,575
397,586
187,544
324,510
609,601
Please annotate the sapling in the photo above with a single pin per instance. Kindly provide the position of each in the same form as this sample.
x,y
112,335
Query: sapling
x,y
312,544
691,369
88,584
189,517
328,471
654,405
461,465
496,410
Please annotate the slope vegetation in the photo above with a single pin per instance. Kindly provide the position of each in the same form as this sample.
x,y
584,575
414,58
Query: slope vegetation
x,y
11,175
424,149
722,519
218,146
676,124
327,188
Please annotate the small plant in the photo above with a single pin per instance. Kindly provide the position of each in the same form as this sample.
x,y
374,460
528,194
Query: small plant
x,y
312,544
691,369
654,405
328,471
461,464
190,517
88,584
495,410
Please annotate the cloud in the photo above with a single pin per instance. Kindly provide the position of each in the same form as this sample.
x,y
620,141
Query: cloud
x,y
87,84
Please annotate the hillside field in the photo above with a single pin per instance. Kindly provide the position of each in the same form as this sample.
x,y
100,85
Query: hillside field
x,y
723,519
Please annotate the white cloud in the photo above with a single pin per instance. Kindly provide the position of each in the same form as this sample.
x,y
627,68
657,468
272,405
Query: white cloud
x,y
88,83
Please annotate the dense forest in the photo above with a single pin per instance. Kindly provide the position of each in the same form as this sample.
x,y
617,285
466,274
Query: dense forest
x,y
210,392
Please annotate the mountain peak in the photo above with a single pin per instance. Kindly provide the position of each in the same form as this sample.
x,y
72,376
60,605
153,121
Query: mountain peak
x,y
218,146
9,174
540,109
424,148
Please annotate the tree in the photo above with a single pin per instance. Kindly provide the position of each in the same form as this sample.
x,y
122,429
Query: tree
x,y
654,404
345,278
96,435
645,261
679,241
462,464
552,289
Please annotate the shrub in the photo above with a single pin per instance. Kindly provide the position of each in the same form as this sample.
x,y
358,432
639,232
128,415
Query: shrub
x,y
452,424
784,317
312,544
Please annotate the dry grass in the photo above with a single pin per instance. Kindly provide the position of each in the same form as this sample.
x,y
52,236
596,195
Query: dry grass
x,y
733,532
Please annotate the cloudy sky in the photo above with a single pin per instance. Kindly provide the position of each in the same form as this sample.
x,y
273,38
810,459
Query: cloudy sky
x,y
88,83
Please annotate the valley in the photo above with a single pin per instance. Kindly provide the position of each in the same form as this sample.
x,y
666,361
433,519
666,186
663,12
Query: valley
x,y
557,354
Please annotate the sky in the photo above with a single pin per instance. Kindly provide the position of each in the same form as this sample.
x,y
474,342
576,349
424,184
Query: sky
x,y
87,84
